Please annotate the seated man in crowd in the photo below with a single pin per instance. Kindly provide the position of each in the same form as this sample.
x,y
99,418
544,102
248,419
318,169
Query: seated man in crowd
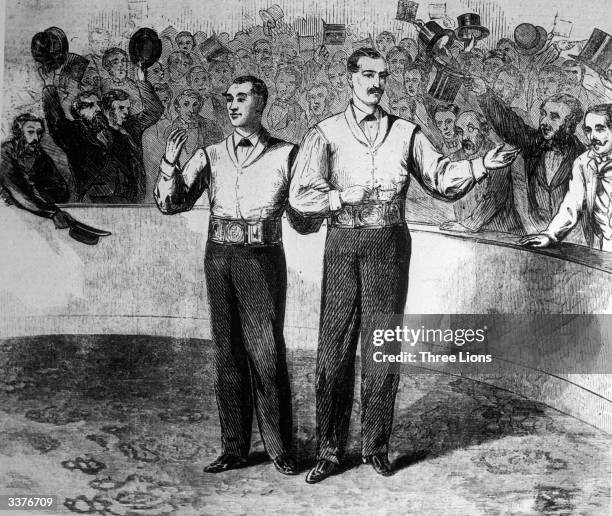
x,y
29,178
318,99
490,205
115,63
200,132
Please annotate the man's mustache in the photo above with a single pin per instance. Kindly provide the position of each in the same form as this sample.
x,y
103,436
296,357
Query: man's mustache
x,y
375,89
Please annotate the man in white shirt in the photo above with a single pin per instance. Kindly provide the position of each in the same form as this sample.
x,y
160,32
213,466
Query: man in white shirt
x,y
590,189
354,169
247,176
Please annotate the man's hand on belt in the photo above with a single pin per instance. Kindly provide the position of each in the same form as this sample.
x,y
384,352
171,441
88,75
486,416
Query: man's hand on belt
x,y
355,195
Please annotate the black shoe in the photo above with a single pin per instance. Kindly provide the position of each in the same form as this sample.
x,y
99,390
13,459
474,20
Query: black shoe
x,y
225,462
323,469
285,464
380,463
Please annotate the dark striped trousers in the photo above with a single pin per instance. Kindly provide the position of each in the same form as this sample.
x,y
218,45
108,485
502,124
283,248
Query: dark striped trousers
x,y
247,288
365,272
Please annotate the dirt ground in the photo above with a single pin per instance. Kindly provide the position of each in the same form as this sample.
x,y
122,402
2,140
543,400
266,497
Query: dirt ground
x,y
118,425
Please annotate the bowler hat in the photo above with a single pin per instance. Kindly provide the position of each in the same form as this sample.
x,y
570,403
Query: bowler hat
x,y
50,48
597,53
530,39
469,26
145,47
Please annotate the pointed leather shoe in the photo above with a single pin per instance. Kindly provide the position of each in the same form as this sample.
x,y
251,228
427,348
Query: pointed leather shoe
x,y
322,469
285,464
380,463
225,462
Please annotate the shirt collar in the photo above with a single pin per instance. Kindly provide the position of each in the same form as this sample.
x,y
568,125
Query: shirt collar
x,y
253,138
360,114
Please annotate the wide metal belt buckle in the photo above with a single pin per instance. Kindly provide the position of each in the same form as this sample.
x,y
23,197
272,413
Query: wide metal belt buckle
x,y
371,216
255,233
235,233
345,218
216,231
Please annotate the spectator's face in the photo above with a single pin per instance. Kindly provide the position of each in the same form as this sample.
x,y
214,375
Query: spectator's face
x,y
508,50
397,61
32,132
184,43
263,53
118,66
552,118
491,67
445,122
220,77
200,81
412,82
163,94
178,66
337,77
286,85
410,46
155,73
120,110
317,98
596,129
188,107
470,133
384,43
369,82
91,107
548,85
573,75
506,86
243,107
401,108
244,59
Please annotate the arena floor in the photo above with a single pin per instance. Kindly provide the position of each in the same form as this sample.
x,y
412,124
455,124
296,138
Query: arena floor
x,y
118,425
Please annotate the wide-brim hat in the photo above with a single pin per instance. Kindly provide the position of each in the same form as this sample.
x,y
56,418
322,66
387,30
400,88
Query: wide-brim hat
x,y
445,81
50,48
145,47
530,39
597,53
431,33
470,26
406,11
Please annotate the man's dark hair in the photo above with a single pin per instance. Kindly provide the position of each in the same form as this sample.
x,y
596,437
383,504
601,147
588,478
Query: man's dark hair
x,y
601,109
78,102
108,54
183,34
352,63
258,87
22,119
576,111
111,96
163,86
443,108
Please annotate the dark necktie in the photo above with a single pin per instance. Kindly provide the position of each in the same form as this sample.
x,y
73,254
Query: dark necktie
x,y
245,142
370,118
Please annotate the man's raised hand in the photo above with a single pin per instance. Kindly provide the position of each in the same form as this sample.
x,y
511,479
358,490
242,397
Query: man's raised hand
x,y
498,158
174,145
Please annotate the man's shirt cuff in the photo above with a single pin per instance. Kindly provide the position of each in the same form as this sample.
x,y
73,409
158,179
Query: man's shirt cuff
x,y
334,200
167,169
478,169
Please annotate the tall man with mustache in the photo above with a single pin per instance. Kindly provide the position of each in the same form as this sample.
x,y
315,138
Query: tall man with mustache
x,y
548,151
588,198
354,168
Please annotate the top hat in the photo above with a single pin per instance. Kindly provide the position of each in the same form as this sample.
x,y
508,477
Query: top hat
x,y
445,81
406,11
530,39
433,36
597,53
469,26
50,48
145,47
334,33
212,49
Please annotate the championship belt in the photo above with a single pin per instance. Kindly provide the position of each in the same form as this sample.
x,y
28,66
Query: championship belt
x,y
369,216
242,232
